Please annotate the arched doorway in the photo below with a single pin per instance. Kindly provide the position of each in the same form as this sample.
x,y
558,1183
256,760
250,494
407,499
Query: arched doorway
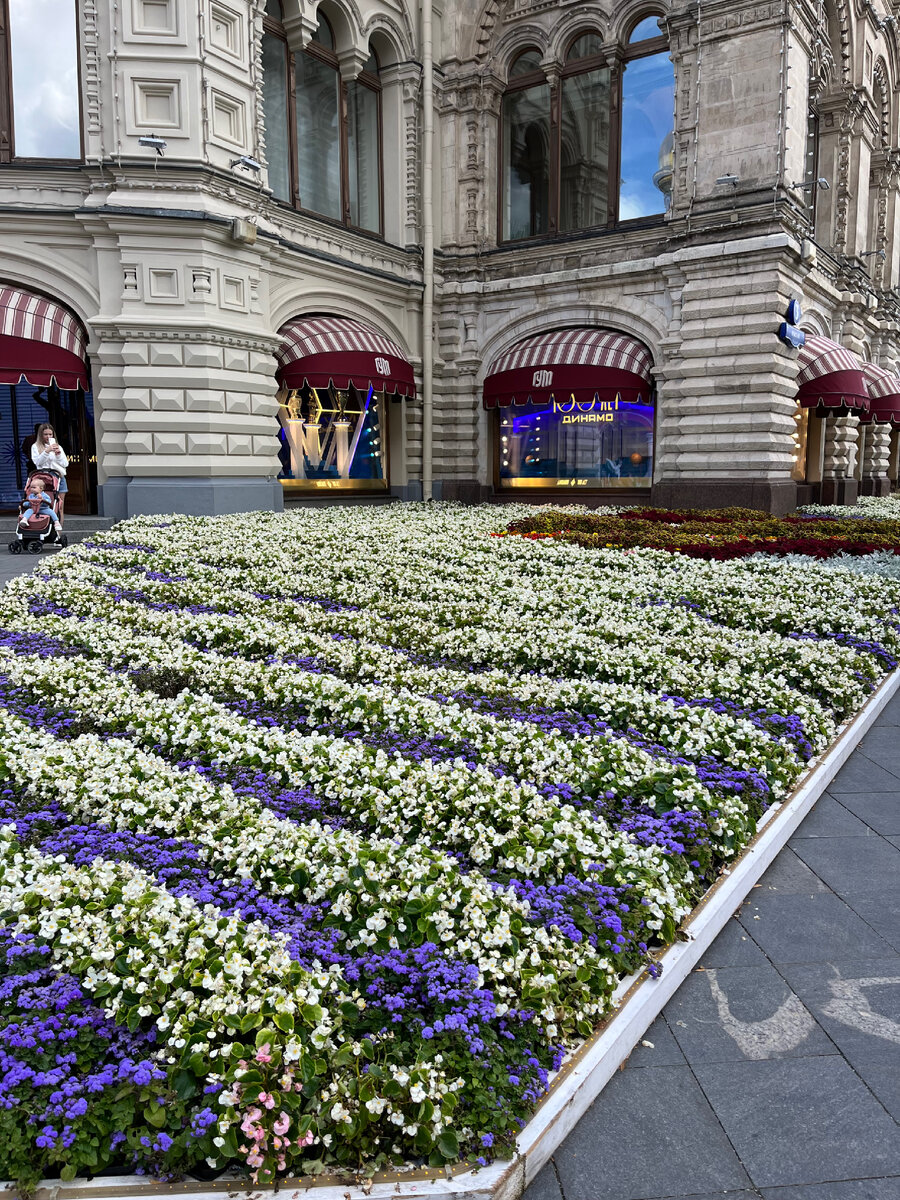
x,y
337,377
44,377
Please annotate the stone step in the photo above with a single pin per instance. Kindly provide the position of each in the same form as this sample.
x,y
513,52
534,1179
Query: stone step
x,y
346,501
90,524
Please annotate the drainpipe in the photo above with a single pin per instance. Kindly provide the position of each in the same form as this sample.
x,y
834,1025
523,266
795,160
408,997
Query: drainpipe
x,y
427,246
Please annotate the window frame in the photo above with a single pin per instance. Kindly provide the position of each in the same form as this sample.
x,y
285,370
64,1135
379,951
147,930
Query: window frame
x,y
615,58
8,156
365,79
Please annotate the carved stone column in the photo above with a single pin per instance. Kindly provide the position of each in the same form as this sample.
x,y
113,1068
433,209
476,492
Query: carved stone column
x,y
876,461
839,485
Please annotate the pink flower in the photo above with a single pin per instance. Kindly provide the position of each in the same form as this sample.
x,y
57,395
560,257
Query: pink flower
x,y
249,1121
282,1124
307,1139
267,1100
255,1160
262,1054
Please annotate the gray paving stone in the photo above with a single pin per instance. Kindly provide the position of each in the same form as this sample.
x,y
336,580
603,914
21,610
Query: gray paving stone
x,y
797,929
857,1002
855,865
790,874
890,714
808,1120
733,948
856,1189
880,739
881,912
895,841
545,1187
879,810
861,774
829,819
649,1133
743,1013
664,1052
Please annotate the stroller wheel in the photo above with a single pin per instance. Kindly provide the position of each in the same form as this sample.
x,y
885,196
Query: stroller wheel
x,y
15,548
34,547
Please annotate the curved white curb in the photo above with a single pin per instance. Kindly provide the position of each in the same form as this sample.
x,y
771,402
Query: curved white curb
x,y
581,1080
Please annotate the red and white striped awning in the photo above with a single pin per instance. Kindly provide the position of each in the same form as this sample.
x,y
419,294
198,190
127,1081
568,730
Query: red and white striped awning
x,y
884,395
319,352
831,376
40,342
580,364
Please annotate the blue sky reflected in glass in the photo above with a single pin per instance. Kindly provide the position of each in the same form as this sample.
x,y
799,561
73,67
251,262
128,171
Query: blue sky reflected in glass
x,y
648,103
45,78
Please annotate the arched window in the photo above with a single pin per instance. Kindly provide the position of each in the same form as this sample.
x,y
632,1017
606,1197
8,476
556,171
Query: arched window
x,y
40,102
323,136
564,146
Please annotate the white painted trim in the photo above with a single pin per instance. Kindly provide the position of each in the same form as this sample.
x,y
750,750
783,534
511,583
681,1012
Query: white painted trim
x,y
576,1087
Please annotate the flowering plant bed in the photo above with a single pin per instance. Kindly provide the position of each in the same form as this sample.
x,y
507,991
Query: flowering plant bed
x,y
877,508
719,535
327,837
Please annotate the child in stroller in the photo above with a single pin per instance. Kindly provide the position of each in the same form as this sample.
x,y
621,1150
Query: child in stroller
x,y
38,524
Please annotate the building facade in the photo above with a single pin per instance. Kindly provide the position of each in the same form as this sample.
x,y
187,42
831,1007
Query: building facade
x,y
471,250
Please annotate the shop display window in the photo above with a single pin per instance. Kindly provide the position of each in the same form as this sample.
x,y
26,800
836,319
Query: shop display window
x,y
40,101
572,444
333,440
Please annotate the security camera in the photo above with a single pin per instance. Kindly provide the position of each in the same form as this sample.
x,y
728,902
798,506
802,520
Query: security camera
x,y
728,181
154,143
248,163
821,183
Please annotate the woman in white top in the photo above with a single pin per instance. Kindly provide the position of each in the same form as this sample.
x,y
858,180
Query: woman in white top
x,y
48,455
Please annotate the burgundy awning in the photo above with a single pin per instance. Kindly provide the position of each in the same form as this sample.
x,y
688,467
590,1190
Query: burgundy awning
x,y
40,342
831,376
580,363
322,351
884,396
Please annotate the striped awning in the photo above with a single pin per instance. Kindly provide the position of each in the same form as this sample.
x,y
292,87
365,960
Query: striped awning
x,y
884,395
40,342
580,364
831,376
319,352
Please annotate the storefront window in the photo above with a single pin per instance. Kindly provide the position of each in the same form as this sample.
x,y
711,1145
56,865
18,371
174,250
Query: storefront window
x,y
331,163
40,103
593,146
332,439
576,444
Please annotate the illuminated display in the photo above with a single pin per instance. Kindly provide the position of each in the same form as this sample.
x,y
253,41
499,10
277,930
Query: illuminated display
x,y
598,443
332,440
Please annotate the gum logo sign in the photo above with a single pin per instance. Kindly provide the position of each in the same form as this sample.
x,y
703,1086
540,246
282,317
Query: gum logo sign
x,y
542,379
382,366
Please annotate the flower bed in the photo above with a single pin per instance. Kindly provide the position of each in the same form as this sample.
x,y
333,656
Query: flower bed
x,y
720,535
326,837
878,508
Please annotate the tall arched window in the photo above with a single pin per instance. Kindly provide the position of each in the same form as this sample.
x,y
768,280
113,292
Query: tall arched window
x,y
564,146
323,136
40,103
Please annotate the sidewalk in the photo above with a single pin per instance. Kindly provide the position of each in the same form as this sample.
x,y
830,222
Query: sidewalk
x,y
774,1073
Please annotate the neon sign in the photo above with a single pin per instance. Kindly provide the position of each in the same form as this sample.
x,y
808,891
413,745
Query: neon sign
x,y
587,412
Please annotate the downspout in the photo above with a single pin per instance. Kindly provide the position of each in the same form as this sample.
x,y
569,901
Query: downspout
x,y
427,247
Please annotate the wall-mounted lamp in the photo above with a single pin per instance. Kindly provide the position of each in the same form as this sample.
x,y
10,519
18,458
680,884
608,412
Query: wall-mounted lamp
x,y
728,181
882,254
821,182
154,143
248,163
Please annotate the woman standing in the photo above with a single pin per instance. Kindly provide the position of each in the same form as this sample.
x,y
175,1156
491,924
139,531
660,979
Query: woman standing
x,y
48,455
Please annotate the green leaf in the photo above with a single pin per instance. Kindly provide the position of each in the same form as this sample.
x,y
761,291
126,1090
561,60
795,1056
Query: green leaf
x,y
344,1056
185,1085
155,1115
68,1172
448,1144
285,1022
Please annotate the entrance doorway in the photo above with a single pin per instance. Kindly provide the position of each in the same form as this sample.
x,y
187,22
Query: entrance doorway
x,y
71,413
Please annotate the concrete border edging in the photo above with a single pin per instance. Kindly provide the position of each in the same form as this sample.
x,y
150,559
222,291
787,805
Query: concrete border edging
x,y
640,1000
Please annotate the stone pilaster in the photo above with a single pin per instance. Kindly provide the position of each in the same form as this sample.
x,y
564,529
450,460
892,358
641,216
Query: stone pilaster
x,y
839,484
876,461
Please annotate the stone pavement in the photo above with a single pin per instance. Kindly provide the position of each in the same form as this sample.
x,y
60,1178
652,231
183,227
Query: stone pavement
x,y
774,1072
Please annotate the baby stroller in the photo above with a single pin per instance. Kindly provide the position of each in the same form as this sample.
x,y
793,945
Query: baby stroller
x,y
34,531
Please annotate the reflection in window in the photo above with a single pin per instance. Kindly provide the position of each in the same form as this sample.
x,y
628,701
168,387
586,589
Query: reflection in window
x,y
527,63
332,438
276,115
324,141
598,443
585,46
319,135
648,100
43,49
645,30
584,137
526,162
